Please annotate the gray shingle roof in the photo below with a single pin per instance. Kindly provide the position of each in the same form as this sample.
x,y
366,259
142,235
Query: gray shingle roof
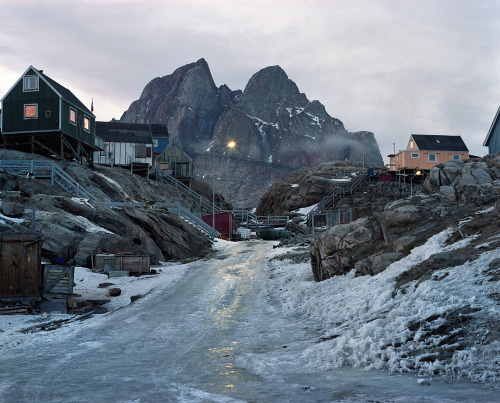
x,y
124,132
436,142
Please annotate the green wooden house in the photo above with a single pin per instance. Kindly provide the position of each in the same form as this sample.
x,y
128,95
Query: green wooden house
x,y
177,162
41,116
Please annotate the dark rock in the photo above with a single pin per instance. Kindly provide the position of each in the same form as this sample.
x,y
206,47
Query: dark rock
x,y
114,292
12,209
134,298
105,285
276,128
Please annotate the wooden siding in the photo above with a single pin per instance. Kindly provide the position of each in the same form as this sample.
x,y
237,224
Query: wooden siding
x,y
77,130
58,279
176,160
403,159
123,153
20,265
131,263
13,109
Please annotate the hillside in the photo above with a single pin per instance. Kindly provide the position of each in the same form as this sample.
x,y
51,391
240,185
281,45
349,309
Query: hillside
x,y
73,228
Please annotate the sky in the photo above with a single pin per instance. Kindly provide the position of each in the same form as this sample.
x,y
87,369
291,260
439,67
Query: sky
x,y
392,67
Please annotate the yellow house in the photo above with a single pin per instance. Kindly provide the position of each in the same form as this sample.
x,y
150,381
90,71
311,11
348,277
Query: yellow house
x,y
426,150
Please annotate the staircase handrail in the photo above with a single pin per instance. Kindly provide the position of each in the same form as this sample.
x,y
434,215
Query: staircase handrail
x,y
174,208
337,193
46,169
204,203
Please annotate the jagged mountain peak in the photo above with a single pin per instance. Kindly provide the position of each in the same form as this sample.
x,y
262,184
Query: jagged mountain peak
x,y
270,89
275,126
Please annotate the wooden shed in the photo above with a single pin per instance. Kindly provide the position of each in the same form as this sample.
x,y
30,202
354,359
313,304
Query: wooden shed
x,y
20,266
175,160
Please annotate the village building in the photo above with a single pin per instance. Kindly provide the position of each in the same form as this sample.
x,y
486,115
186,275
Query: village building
x,y
41,116
425,151
174,161
492,140
124,144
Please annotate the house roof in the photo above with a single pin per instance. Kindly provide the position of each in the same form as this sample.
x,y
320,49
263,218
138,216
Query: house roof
x,y
60,90
124,132
492,128
159,130
66,94
436,142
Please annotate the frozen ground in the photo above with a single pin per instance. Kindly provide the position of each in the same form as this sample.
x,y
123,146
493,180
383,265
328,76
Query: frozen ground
x,y
237,327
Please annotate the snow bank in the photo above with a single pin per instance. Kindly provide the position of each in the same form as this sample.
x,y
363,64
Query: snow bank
x,y
363,325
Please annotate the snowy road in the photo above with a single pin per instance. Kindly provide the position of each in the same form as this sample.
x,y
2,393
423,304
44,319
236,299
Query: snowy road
x,y
216,335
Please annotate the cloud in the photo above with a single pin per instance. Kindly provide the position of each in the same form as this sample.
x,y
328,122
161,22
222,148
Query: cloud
x,y
393,67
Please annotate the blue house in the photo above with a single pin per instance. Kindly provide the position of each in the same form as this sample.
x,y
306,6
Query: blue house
x,y
493,137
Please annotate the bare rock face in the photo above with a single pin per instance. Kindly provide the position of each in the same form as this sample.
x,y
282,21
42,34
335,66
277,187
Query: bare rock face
x,y
276,128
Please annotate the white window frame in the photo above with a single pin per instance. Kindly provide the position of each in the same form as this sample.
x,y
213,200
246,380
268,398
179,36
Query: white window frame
x,y
30,117
155,143
456,157
73,122
434,155
415,155
26,79
86,119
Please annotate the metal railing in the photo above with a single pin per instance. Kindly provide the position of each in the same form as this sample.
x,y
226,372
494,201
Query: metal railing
x,y
175,208
204,204
325,206
330,218
46,169
337,193
250,220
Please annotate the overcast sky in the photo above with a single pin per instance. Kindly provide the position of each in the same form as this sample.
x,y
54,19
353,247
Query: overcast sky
x,y
393,67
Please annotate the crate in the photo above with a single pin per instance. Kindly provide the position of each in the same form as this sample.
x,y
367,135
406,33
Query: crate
x,y
58,279
138,264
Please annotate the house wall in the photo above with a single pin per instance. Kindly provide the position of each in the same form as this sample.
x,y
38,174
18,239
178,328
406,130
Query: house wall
x,y
494,140
76,130
123,153
13,120
403,159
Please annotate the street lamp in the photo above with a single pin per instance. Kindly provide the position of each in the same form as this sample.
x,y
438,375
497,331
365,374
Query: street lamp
x,y
230,145
411,181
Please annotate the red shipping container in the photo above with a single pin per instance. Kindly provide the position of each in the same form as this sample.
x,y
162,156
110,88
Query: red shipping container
x,y
223,222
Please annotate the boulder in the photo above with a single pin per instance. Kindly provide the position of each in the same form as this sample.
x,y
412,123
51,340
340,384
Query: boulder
x,y
376,264
12,209
447,194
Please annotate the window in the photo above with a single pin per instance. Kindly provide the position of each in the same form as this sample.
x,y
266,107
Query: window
x,y
86,124
432,157
155,143
415,155
30,83
140,151
72,116
411,144
456,156
31,111
148,152
395,158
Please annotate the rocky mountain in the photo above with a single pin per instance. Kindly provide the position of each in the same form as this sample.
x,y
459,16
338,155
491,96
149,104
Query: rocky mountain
x,y
276,128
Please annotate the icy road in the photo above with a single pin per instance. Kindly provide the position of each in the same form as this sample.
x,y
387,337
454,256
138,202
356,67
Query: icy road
x,y
215,335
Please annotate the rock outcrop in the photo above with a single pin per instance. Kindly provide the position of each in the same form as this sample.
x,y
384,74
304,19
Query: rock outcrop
x,y
73,228
453,191
276,128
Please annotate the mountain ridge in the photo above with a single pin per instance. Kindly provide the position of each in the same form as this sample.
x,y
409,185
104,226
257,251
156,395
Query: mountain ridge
x,y
271,121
